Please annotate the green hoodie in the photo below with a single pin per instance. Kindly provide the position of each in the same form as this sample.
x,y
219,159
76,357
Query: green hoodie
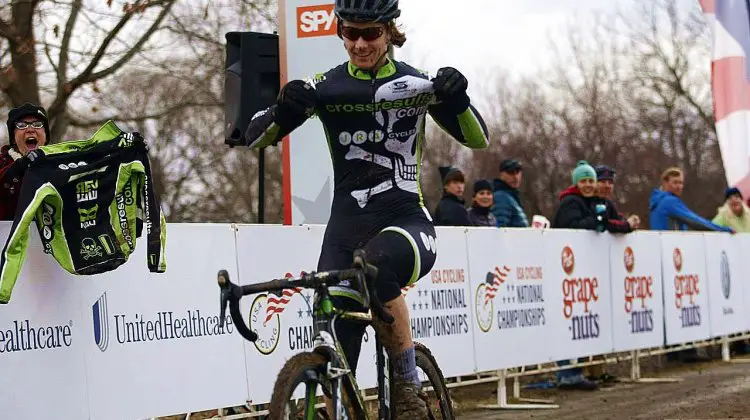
x,y
725,217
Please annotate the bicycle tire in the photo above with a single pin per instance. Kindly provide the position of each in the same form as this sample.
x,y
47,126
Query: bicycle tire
x,y
301,366
426,361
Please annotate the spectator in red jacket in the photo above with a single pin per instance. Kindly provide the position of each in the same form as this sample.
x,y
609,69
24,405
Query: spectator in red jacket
x,y
28,129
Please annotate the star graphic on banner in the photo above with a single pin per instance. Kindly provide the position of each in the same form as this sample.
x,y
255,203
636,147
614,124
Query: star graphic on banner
x,y
300,313
315,211
420,305
427,305
309,313
414,305
507,287
419,293
504,299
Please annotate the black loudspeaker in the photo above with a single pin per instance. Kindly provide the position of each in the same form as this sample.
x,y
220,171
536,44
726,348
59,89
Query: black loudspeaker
x,y
251,79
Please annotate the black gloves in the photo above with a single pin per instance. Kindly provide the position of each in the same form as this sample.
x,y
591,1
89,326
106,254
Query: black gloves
x,y
296,103
450,89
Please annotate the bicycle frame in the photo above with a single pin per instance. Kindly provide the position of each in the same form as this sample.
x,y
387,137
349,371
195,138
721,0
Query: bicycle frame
x,y
339,374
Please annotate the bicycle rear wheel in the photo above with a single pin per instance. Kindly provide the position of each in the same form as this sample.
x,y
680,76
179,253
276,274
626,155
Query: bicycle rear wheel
x,y
439,401
303,369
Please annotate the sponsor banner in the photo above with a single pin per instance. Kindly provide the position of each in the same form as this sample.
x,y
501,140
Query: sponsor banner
x,y
440,304
576,267
686,310
510,290
282,320
41,341
637,305
312,47
725,285
153,344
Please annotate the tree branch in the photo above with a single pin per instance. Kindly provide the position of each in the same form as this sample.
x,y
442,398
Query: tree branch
x,y
87,75
157,115
6,31
62,64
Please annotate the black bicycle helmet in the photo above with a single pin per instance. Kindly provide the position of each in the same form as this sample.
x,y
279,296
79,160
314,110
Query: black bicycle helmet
x,y
367,10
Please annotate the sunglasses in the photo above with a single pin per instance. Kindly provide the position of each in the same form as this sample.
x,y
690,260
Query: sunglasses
x,y
21,125
368,34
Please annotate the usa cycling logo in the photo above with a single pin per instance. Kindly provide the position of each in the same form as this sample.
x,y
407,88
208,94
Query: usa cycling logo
x,y
101,326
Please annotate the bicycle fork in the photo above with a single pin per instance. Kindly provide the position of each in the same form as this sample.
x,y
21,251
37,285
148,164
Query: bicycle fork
x,y
384,372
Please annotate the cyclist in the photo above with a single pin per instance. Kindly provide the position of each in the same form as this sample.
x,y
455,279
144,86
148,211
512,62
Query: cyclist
x,y
373,111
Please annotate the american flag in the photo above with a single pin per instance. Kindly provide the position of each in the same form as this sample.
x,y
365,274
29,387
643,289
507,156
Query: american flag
x,y
494,280
729,22
277,304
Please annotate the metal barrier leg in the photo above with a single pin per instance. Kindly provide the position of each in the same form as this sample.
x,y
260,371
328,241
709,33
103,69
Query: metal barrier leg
x,y
635,372
726,353
502,396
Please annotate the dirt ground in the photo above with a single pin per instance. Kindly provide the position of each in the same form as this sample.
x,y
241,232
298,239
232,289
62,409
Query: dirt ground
x,y
714,390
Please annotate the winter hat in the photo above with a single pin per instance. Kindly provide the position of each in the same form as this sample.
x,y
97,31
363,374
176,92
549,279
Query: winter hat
x,y
582,171
482,184
510,165
732,191
604,172
449,173
26,110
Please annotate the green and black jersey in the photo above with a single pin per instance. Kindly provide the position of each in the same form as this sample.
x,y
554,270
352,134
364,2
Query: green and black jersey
x,y
375,129
89,199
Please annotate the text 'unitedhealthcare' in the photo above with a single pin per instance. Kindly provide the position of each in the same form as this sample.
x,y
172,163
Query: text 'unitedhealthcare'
x,y
161,325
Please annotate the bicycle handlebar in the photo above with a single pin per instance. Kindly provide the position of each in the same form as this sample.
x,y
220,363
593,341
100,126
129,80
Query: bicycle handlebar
x,y
231,293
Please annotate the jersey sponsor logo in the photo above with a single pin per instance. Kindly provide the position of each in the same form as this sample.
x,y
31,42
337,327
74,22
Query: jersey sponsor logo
x,y
358,137
126,140
22,335
125,198
71,165
87,190
417,104
317,20
87,217
47,230
112,328
90,249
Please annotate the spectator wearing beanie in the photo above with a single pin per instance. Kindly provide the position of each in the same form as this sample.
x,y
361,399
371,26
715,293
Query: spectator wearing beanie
x,y
450,210
578,204
734,213
605,184
479,212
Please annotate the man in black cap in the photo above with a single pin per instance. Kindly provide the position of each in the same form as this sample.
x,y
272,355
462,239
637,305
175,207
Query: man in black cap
x,y
28,128
507,208
450,210
605,185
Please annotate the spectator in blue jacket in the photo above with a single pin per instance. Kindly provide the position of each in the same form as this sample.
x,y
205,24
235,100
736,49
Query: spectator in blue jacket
x,y
507,206
668,212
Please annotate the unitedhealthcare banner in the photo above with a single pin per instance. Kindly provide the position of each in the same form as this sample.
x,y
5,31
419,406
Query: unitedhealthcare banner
x,y
129,344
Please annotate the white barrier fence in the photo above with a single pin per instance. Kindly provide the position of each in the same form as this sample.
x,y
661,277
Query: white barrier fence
x,y
133,344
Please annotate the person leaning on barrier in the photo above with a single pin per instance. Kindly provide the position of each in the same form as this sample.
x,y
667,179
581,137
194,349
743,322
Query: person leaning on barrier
x,y
507,206
669,212
734,213
28,128
450,210
580,208
479,213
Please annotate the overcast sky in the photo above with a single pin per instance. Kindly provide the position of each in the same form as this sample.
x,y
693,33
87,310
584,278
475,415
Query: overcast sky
x,y
477,36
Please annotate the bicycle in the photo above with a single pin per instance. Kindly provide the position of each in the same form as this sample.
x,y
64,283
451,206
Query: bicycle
x,y
326,366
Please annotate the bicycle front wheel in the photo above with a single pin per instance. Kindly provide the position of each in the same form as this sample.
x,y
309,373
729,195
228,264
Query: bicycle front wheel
x,y
439,401
295,391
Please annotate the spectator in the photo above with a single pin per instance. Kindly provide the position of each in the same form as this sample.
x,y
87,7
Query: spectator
x,y
28,128
668,212
450,210
578,205
479,213
507,206
734,213
605,185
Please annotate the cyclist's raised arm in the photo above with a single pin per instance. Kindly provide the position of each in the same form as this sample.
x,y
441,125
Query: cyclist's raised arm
x,y
296,103
454,113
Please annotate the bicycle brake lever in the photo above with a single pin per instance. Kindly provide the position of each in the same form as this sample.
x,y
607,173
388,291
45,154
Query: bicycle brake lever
x,y
371,273
231,293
